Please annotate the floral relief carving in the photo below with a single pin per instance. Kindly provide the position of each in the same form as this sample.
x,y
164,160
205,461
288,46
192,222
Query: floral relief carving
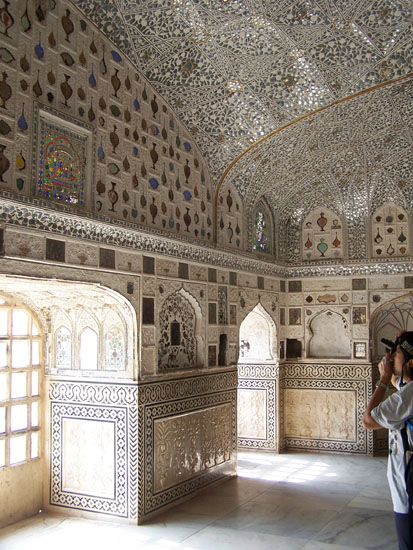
x,y
186,445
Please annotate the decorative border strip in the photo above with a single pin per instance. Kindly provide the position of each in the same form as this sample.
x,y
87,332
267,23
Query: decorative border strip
x,y
269,372
95,400
90,503
167,390
32,214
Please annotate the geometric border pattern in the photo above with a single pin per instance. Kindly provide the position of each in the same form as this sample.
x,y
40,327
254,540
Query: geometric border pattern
x,y
28,214
117,506
354,378
261,377
102,401
222,390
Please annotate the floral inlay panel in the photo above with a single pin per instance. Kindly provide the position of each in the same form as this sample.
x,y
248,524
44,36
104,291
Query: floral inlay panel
x,y
390,231
322,235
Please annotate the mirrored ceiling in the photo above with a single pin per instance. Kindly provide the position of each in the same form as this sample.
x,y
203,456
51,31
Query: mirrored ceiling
x,y
235,71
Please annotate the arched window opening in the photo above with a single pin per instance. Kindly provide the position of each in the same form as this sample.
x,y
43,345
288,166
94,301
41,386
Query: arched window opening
x,y
88,349
20,383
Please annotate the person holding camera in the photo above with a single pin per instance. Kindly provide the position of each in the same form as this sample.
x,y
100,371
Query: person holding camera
x,y
392,413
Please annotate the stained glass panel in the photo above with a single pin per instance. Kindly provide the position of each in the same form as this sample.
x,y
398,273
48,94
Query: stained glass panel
x,y
63,348
115,355
261,237
61,170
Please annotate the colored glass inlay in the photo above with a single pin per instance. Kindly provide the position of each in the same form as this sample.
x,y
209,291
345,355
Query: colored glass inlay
x,y
61,171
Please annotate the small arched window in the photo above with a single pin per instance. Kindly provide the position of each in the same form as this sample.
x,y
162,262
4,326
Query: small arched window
x,y
88,349
262,241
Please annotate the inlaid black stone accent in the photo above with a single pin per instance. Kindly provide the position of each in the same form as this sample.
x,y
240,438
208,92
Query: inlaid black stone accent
x,y
212,275
408,282
282,286
233,278
107,258
2,252
260,283
282,316
212,356
148,265
212,313
294,286
183,271
129,288
55,250
282,349
148,311
294,347
358,284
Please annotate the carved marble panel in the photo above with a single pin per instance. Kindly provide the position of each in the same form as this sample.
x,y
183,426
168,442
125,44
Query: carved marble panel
x,y
252,413
129,262
315,414
79,253
148,286
23,244
187,445
82,440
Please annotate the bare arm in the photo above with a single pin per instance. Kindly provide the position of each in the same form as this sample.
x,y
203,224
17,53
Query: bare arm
x,y
386,373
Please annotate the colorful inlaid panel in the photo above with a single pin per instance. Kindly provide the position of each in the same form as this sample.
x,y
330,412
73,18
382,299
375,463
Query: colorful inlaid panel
x,y
61,173
322,235
390,232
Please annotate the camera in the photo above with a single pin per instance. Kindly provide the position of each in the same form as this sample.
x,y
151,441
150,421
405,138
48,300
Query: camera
x,y
389,345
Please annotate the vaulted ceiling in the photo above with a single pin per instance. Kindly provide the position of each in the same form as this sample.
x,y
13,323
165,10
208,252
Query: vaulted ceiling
x,y
252,79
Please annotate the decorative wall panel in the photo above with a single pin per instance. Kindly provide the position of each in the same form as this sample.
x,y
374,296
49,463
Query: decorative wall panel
x,y
189,444
109,458
182,448
257,406
338,392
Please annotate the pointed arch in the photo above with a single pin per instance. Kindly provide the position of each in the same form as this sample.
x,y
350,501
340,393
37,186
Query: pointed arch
x,y
389,319
257,337
330,336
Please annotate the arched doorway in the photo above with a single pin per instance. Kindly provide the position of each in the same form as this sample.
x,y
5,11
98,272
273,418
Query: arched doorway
x,y
387,320
257,381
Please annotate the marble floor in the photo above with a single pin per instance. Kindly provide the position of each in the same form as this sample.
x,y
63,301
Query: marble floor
x,y
292,501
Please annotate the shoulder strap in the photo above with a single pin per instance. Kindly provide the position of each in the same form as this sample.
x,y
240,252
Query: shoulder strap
x,y
405,439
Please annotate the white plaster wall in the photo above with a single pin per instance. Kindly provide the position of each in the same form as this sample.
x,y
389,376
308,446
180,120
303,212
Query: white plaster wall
x,y
21,491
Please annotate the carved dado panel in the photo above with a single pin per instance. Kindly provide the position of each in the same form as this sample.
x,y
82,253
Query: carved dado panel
x,y
187,445
252,414
257,406
109,411
178,407
315,414
330,390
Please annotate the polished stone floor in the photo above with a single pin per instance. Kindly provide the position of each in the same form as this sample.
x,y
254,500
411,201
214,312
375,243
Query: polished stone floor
x,y
279,502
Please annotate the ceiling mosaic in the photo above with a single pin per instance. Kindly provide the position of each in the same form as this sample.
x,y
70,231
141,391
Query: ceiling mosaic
x,y
237,70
